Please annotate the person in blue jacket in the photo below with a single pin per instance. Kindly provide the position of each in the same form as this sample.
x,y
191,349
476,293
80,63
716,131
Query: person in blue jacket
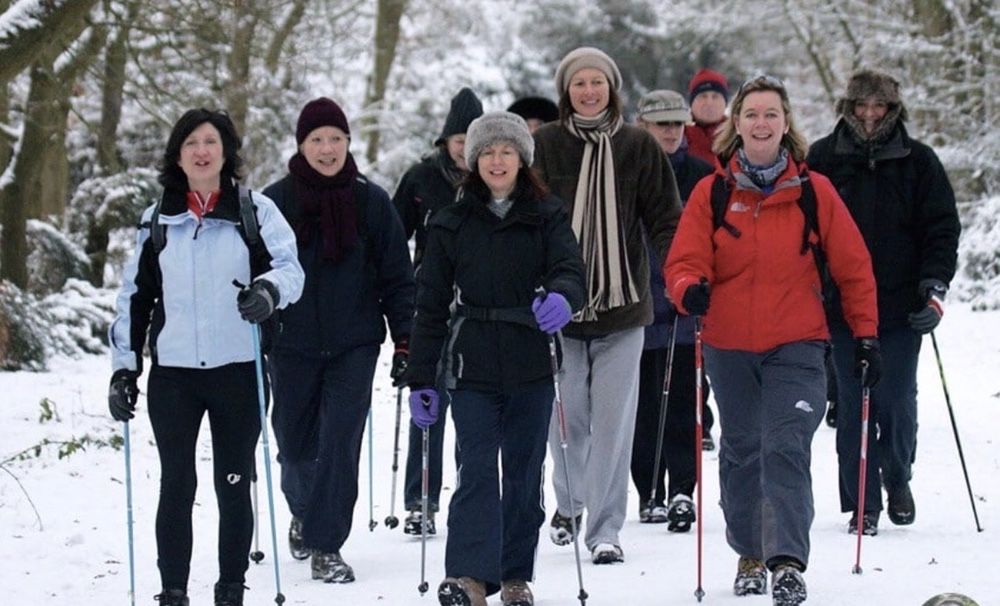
x,y
358,277
182,296
490,252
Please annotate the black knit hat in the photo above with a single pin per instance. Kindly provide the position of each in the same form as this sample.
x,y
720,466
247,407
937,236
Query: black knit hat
x,y
318,113
465,107
538,108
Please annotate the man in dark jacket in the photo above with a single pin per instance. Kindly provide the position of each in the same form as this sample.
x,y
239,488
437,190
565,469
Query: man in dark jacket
x,y
427,187
901,199
663,113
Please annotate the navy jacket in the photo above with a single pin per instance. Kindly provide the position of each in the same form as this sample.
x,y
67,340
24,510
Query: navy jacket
x,y
422,191
904,206
346,305
480,261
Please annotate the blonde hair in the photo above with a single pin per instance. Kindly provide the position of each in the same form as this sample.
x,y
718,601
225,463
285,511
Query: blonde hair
x,y
728,140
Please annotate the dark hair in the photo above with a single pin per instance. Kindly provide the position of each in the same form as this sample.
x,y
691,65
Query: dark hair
x,y
614,105
528,186
171,176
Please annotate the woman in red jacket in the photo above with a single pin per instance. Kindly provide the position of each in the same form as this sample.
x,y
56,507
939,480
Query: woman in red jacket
x,y
759,292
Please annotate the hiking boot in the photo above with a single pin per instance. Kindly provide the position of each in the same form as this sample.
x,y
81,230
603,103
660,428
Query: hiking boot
x,y
561,528
751,577
870,527
229,594
463,591
331,568
707,442
606,553
295,543
901,508
412,523
656,514
172,597
680,515
516,593
788,588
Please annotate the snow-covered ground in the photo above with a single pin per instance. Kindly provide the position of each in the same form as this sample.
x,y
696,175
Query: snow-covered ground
x,y
79,554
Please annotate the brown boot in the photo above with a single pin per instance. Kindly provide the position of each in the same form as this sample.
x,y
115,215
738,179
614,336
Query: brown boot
x,y
516,593
463,591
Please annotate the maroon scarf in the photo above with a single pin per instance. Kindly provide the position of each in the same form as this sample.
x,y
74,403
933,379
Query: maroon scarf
x,y
326,203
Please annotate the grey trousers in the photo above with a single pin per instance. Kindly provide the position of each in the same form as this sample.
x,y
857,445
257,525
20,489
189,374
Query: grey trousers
x,y
599,381
770,405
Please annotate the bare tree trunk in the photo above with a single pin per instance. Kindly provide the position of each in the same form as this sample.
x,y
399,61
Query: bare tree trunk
x,y
390,12
20,46
237,89
112,85
282,34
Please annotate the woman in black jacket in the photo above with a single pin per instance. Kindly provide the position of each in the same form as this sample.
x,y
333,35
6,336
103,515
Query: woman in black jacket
x,y
489,253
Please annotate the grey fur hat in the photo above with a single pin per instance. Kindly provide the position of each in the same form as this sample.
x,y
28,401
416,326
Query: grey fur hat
x,y
587,56
493,127
870,83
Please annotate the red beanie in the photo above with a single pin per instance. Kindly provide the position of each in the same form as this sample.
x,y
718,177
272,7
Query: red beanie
x,y
318,113
707,79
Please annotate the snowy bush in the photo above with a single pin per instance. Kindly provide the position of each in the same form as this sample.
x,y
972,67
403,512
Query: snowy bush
x,y
978,279
71,322
52,259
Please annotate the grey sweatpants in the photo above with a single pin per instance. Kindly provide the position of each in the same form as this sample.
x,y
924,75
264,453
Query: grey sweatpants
x,y
770,405
599,381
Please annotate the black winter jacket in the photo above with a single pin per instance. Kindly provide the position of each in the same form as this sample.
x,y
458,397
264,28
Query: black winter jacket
x,y
482,261
421,192
346,305
904,206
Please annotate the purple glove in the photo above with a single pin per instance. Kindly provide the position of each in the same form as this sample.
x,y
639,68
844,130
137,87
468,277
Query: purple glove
x,y
552,312
424,406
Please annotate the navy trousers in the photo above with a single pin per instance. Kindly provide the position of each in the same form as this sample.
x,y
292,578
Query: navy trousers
x,y
320,409
178,399
892,416
493,528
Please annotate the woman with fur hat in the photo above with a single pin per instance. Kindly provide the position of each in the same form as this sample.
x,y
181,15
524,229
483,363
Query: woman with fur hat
x,y
358,277
756,284
427,187
901,199
489,253
619,189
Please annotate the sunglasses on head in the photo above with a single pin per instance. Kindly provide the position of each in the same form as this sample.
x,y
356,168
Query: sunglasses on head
x,y
762,80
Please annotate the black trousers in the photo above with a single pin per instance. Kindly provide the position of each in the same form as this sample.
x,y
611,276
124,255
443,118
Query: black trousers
x,y
677,455
178,398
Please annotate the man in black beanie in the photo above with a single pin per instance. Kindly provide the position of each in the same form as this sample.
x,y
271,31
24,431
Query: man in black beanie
x,y
901,199
536,111
425,188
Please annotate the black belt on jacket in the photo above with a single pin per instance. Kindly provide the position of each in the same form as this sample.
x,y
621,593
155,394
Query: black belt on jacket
x,y
514,315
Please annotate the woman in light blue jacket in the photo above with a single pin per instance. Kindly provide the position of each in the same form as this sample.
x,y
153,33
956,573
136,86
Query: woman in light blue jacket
x,y
178,288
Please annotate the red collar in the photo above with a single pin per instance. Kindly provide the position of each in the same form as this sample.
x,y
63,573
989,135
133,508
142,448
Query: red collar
x,y
201,207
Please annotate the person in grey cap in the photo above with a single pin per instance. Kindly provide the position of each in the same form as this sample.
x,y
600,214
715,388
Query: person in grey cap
x,y
616,184
427,187
664,113
489,253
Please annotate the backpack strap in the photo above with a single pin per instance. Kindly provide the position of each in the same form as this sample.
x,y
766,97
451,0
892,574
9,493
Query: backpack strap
x,y
720,203
807,203
156,231
248,217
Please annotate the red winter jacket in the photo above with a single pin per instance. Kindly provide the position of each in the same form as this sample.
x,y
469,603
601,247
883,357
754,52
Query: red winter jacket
x,y
700,138
764,292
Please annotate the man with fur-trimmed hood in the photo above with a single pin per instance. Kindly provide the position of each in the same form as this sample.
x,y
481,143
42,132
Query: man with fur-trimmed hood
x,y
901,199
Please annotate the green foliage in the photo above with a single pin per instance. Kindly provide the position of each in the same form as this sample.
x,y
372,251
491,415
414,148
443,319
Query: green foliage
x,y
65,448
49,411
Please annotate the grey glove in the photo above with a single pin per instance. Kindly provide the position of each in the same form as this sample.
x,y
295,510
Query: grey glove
x,y
257,302
926,320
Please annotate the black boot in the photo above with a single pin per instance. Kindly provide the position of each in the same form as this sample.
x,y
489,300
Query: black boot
x,y
229,594
902,510
172,597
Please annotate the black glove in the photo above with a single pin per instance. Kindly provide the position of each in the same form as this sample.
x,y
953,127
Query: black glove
x,y
123,394
257,302
696,298
933,292
867,351
400,359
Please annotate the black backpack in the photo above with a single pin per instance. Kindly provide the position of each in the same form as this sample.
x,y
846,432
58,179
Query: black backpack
x,y
807,204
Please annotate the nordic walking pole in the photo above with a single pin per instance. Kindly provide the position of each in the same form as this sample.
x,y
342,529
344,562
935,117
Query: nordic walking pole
x,y
954,429
256,556
560,414
663,417
371,503
128,509
859,515
425,441
699,402
279,598
392,521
